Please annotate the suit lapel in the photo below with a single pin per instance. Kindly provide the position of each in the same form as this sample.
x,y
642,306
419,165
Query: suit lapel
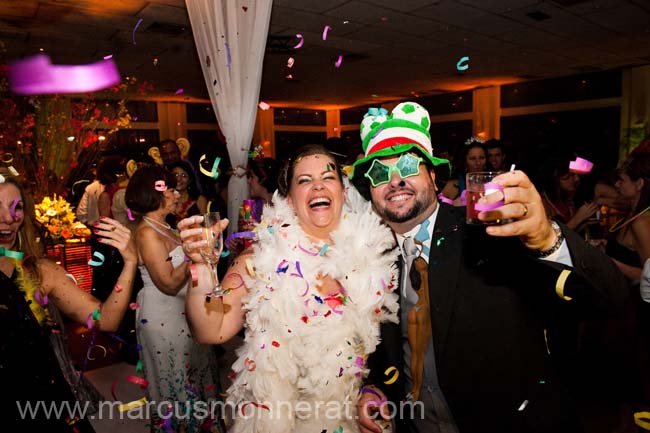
x,y
444,268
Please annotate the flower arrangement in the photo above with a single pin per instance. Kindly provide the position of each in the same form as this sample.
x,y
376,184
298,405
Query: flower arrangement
x,y
56,215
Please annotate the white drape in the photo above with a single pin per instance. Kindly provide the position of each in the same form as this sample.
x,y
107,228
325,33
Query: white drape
x,y
230,38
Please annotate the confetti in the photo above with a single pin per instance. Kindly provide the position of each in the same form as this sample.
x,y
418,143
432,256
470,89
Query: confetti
x,y
99,346
290,62
299,44
36,75
134,306
523,405
178,92
160,185
580,166
326,29
461,66
275,344
100,259
228,55
117,288
132,405
129,214
263,106
395,376
323,249
136,28
339,61
214,173
138,381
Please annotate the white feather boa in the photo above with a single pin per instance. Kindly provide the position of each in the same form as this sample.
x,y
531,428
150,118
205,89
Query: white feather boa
x,y
301,346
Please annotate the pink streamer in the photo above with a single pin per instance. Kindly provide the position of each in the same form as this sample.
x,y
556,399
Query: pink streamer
x,y
325,30
339,61
36,75
302,41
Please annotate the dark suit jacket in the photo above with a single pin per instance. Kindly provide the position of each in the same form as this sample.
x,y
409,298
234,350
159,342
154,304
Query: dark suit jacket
x,y
491,301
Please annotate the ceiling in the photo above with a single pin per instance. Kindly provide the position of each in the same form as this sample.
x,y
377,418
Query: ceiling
x,y
392,49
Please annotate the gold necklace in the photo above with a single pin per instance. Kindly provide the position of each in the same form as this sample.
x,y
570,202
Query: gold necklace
x,y
617,227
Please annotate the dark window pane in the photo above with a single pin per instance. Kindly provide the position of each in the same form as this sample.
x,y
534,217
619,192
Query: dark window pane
x,y
286,142
299,116
200,113
447,103
352,144
564,89
591,134
354,115
143,111
450,136
135,143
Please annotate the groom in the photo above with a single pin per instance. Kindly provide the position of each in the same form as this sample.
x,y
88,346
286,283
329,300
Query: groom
x,y
492,292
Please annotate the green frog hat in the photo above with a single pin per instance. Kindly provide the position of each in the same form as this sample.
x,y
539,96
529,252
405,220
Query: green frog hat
x,y
405,129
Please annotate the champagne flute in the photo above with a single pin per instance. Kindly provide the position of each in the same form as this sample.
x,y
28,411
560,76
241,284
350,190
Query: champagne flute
x,y
211,252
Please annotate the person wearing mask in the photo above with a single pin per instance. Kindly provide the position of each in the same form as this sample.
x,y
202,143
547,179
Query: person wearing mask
x,y
479,361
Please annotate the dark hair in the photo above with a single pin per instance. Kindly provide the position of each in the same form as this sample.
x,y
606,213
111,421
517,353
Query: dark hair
x,y
549,176
286,173
192,188
109,168
493,143
638,167
141,195
266,170
467,148
29,230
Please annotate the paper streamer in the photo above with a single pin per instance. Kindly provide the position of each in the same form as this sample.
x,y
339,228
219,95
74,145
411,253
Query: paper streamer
x,y
132,405
15,215
388,371
339,61
129,214
580,166
461,65
214,174
11,253
242,235
642,419
100,259
228,55
444,199
325,30
160,185
36,75
302,41
138,381
490,188
136,28
41,301
99,346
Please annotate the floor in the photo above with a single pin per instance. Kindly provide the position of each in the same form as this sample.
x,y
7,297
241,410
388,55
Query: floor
x,y
109,364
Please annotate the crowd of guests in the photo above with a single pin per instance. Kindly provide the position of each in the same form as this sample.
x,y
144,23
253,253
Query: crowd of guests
x,y
355,286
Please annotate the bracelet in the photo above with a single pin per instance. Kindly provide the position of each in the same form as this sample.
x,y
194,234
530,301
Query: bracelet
x,y
559,239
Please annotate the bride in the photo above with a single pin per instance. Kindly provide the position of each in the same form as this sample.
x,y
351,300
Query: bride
x,y
311,294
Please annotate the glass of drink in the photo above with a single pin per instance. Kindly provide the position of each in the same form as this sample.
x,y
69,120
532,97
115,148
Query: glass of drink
x,y
479,184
